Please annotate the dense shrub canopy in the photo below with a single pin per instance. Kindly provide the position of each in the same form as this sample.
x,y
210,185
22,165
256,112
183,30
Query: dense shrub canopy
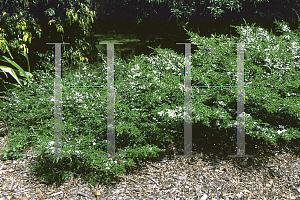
x,y
149,103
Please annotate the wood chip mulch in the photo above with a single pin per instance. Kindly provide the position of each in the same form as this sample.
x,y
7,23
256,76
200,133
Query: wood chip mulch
x,y
273,173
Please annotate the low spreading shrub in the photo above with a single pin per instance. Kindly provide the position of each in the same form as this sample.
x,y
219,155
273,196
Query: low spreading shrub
x,y
149,105
271,80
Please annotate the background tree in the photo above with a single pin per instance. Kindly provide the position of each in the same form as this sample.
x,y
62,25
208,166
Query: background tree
x,y
191,9
28,24
147,15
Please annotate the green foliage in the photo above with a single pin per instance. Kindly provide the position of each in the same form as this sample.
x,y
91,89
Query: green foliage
x,y
271,78
148,89
7,63
21,23
13,152
214,9
6,69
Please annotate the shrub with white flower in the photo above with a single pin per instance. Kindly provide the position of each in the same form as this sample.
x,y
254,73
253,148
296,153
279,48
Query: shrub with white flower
x,y
149,104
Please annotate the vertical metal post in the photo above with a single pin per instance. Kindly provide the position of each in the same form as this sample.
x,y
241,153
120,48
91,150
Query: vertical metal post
x,y
188,143
110,100
57,101
240,135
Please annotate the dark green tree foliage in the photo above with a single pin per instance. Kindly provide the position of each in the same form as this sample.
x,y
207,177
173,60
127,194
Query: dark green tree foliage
x,y
191,9
48,15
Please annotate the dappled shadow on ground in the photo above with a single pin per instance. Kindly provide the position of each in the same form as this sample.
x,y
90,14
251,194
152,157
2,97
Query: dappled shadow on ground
x,y
261,150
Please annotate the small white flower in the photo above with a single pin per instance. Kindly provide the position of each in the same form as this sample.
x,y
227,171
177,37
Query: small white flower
x,y
280,126
286,37
78,152
222,103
